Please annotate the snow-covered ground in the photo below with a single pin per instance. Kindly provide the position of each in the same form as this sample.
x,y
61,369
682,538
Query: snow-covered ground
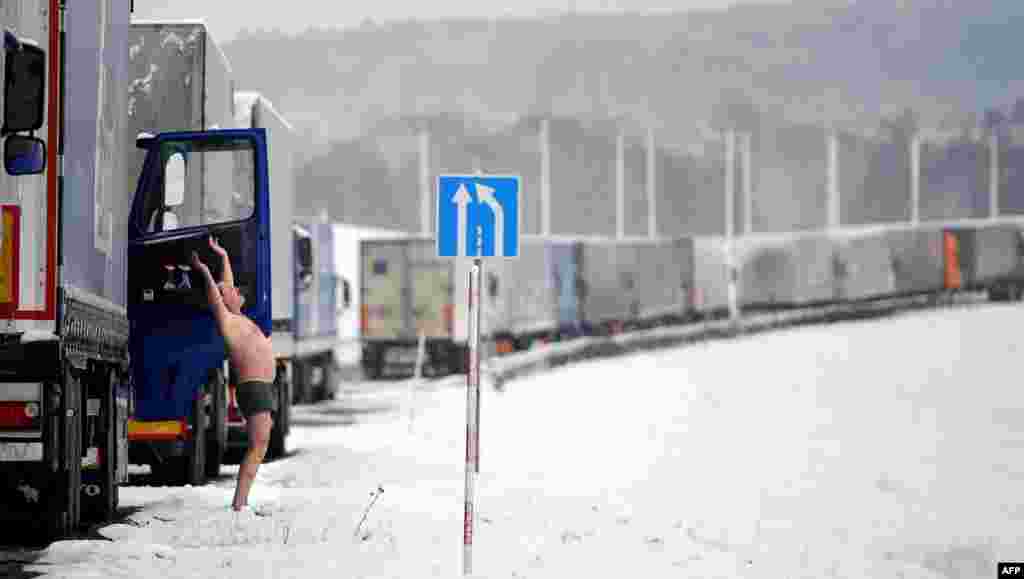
x,y
889,448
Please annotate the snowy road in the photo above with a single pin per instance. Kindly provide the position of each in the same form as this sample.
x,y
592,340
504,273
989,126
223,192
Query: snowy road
x,y
889,448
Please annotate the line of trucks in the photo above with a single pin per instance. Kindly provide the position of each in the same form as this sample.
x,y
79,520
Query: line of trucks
x,y
562,287
108,353
109,356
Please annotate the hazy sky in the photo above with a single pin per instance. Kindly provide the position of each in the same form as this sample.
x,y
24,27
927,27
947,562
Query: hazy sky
x,y
228,17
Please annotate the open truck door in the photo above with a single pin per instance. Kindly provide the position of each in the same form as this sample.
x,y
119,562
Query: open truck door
x,y
193,185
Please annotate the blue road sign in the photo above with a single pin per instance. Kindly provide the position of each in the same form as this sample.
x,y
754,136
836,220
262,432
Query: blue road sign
x,y
477,216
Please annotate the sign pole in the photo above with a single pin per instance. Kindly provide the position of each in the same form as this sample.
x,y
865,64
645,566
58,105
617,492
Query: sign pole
x,y
472,406
476,211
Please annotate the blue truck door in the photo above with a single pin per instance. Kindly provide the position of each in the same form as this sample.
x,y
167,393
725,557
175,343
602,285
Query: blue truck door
x,y
193,185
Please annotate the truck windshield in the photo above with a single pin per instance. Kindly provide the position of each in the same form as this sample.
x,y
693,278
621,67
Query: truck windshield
x,y
201,183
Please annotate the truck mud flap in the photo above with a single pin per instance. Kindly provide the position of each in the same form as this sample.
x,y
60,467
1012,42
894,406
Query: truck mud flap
x,y
100,494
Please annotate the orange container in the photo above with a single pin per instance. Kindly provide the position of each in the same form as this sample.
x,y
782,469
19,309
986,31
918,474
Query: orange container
x,y
951,253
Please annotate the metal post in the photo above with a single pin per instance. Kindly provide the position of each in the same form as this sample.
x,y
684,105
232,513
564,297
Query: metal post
x,y
652,202
545,177
472,407
730,178
915,179
478,315
833,181
620,185
730,216
425,189
748,186
993,176
417,377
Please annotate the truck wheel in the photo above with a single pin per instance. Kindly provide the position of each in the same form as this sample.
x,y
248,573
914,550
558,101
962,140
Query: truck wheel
x,y
300,381
170,472
371,371
458,359
217,434
371,362
327,387
191,468
279,432
196,473
998,293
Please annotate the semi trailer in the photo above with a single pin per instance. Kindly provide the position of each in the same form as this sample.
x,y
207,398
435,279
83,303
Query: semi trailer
x,y
316,310
64,382
185,419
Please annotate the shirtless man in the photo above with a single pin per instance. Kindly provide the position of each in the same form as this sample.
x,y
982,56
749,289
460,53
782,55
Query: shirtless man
x,y
252,356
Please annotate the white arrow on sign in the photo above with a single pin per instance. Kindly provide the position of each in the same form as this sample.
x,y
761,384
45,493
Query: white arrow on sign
x,y
486,195
462,199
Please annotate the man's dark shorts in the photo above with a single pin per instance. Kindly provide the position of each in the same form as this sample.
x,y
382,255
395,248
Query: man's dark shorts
x,y
255,396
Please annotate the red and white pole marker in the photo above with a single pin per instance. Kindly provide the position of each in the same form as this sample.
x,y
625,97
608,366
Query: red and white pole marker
x,y
472,413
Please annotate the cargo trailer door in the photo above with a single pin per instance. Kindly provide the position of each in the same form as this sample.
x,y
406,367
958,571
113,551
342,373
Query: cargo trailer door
x,y
383,290
566,272
432,311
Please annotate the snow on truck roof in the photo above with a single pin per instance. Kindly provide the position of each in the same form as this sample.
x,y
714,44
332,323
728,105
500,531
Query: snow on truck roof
x,y
170,22
246,100
246,97
200,22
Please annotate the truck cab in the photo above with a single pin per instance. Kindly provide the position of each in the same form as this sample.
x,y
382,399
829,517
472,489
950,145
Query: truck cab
x,y
193,185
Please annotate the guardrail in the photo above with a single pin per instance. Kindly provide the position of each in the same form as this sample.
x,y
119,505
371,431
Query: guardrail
x,y
501,369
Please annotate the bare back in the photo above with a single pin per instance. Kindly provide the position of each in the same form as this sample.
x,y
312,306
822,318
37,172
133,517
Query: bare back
x,y
251,352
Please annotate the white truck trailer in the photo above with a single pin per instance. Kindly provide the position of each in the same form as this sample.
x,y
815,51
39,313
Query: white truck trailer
x,y
64,381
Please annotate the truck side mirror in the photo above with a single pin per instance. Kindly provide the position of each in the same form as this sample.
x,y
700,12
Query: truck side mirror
x,y
24,88
24,155
304,261
344,300
174,180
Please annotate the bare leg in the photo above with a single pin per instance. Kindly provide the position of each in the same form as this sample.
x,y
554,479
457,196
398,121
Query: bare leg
x,y
258,426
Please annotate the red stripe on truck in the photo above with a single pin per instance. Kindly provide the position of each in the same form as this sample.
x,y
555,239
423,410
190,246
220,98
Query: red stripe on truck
x,y
52,120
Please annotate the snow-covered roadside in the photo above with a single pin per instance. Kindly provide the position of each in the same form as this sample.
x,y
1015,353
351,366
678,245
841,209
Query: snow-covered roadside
x,y
885,448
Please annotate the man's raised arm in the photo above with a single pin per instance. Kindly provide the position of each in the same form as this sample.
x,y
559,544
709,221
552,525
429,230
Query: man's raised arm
x,y
220,311
226,276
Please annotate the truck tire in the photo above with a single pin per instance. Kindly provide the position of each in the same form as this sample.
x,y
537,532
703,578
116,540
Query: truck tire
x,y
195,474
998,292
325,389
64,515
300,381
217,433
282,417
371,362
190,468
372,370
458,359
